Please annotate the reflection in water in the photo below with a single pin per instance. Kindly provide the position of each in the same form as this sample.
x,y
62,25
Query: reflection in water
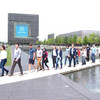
x,y
89,78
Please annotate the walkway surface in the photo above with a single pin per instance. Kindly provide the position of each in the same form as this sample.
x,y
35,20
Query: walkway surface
x,y
47,85
54,87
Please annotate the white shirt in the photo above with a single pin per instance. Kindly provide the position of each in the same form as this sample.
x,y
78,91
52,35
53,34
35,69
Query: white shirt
x,y
72,50
17,53
39,53
54,53
99,50
83,53
58,54
3,55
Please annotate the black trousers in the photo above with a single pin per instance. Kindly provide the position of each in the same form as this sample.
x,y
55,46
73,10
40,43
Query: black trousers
x,y
87,57
14,64
43,62
70,60
54,61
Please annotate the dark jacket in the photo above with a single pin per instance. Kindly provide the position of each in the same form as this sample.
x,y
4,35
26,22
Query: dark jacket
x,y
60,53
45,55
87,50
74,51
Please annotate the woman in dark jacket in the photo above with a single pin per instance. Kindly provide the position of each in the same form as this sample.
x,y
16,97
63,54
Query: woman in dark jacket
x,y
44,59
59,57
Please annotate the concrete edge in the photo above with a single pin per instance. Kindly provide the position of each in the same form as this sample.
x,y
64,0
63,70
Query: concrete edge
x,y
85,92
82,68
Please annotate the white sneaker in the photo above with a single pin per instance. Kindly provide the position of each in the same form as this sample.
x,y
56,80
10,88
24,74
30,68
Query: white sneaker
x,y
36,70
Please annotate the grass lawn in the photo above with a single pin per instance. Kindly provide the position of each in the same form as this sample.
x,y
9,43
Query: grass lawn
x,y
8,57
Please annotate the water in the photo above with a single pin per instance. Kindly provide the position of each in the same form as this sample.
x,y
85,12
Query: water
x,y
89,78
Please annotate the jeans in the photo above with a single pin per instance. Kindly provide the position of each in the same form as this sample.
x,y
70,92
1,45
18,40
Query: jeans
x,y
66,57
93,57
77,60
3,62
83,60
58,61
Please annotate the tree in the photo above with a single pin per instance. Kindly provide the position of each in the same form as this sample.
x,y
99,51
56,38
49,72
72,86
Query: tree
x,y
85,40
98,39
93,38
51,41
44,42
66,40
38,42
75,38
79,40
70,40
59,40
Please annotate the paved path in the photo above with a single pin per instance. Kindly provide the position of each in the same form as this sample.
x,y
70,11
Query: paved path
x,y
64,70
39,74
54,87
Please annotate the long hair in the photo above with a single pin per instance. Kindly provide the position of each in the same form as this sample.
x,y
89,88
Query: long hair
x,y
3,47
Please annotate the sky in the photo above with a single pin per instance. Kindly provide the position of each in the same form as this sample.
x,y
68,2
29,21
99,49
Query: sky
x,y
55,16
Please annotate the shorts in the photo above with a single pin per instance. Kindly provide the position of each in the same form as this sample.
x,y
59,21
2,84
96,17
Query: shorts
x,y
31,61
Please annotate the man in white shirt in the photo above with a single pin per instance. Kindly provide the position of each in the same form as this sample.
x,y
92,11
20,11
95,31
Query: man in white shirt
x,y
17,59
39,57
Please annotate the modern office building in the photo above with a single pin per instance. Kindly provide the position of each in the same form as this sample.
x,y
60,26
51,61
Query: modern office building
x,y
81,33
51,36
23,28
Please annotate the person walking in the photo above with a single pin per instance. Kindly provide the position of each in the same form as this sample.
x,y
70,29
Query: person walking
x,y
32,58
77,54
72,55
17,60
83,54
39,57
44,59
67,53
87,53
59,57
93,53
3,58
54,56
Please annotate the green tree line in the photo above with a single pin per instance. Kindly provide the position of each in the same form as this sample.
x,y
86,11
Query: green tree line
x,y
92,38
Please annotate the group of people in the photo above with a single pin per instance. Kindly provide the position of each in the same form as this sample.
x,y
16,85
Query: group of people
x,y
85,53
41,55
